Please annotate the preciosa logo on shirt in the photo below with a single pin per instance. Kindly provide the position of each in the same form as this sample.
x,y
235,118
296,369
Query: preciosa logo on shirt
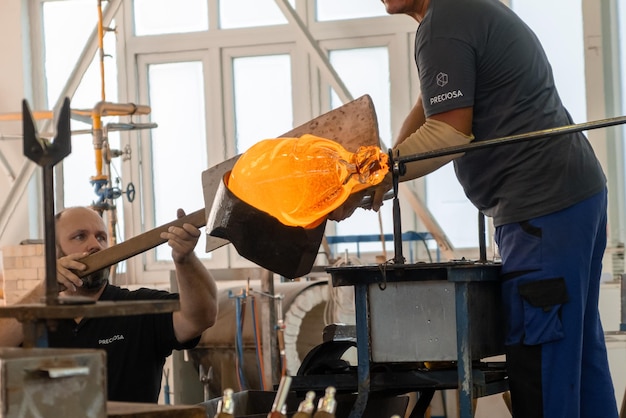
x,y
110,340
442,80
446,96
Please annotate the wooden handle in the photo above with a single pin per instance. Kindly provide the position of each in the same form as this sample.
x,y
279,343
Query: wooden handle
x,y
138,244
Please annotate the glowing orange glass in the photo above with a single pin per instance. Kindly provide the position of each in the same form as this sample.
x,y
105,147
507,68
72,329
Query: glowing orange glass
x,y
301,180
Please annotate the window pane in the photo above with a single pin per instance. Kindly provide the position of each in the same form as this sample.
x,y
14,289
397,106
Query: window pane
x,y
154,17
263,105
455,214
64,43
349,64
179,143
348,9
249,13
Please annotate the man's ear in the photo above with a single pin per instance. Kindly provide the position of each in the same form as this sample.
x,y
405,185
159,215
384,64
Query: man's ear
x,y
60,252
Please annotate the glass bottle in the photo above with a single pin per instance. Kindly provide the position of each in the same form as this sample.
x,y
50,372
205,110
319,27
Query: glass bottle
x,y
279,407
306,407
327,405
226,405
301,180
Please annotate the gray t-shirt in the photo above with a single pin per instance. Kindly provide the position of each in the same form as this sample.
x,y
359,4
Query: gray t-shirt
x,y
479,53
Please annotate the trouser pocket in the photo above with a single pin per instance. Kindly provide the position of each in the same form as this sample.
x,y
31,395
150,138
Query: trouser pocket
x,y
542,301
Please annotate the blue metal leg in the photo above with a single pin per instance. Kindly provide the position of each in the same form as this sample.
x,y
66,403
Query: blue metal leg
x,y
464,363
363,351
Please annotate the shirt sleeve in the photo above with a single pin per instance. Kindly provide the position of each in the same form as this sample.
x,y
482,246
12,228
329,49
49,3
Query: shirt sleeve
x,y
165,337
447,73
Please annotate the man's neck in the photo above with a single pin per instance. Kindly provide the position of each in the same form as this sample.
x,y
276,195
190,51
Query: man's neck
x,y
419,14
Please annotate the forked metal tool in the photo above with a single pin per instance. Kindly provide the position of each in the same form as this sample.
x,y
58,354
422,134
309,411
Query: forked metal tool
x,y
46,154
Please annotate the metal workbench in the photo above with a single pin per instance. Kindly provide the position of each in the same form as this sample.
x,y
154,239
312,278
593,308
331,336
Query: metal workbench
x,y
411,315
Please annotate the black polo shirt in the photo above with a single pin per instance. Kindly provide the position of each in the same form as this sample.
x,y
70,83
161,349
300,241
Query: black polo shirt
x,y
136,345
479,53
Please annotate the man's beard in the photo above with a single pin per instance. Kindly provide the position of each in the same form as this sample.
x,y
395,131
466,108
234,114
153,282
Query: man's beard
x,y
92,282
96,280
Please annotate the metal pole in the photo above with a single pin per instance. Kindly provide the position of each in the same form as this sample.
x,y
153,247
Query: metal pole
x,y
397,224
546,133
482,243
52,288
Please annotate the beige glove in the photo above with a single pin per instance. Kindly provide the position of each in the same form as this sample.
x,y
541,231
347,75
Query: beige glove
x,y
432,135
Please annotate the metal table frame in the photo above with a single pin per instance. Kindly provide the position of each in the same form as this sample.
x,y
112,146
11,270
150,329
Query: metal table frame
x,y
470,382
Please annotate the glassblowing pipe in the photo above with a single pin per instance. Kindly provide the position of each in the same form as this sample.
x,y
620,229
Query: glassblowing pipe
x,y
398,165
546,133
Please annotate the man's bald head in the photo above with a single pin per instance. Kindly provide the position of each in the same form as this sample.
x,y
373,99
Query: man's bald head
x,y
82,230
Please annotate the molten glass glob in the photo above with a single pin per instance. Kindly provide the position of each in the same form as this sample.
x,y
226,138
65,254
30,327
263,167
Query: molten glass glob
x,y
301,180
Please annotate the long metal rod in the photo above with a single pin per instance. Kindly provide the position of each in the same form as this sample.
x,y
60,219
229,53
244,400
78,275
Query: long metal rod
x,y
546,133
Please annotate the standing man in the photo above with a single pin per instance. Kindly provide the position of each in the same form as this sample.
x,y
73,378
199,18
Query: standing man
x,y
484,75
136,345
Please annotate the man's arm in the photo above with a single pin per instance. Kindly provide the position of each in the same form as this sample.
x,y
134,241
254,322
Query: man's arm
x,y
414,120
196,286
443,130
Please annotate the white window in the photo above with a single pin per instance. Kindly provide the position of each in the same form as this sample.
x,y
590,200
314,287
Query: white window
x,y
178,145
262,93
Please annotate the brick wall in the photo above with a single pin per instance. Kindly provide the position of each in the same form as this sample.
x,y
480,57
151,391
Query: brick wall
x,y
21,267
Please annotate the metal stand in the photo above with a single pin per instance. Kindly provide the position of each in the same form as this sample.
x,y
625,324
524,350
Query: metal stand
x,y
478,331
407,315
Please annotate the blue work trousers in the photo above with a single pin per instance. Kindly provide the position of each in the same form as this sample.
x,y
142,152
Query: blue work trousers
x,y
555,348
